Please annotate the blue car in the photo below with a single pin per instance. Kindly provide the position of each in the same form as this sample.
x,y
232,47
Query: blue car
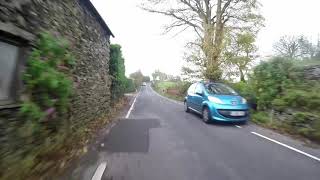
x,y
216,102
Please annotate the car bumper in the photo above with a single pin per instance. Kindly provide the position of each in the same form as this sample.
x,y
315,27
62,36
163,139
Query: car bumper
x,y
220,113
224,119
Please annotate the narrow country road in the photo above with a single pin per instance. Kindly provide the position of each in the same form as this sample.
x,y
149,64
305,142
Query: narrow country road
x,y
159,141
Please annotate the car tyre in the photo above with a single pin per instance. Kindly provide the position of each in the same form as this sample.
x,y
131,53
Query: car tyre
x,y
206,115
186,107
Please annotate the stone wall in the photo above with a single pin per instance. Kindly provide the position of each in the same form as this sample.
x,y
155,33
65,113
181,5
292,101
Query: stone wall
x,y
74,21
312,72
89,38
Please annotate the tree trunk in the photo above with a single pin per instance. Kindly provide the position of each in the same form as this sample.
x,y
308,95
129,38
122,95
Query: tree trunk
x,y
242,79
213,37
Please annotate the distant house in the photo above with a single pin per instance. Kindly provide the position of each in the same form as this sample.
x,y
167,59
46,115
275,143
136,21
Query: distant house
x,y
75,20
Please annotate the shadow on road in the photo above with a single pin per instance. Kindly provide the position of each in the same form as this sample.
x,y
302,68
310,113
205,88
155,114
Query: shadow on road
x,y
219,123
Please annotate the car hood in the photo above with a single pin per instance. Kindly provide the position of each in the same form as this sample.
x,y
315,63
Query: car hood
x,y
229,99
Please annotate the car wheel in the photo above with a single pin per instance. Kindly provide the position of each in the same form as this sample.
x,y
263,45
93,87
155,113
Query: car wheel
x,y
206,116
186,107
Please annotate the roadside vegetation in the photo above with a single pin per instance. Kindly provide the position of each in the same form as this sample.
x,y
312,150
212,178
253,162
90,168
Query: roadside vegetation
x,y
41,139
283,91
283,97
173,90
138,78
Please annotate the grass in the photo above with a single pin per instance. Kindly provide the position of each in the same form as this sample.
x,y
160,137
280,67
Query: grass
x,y
162,86
305,134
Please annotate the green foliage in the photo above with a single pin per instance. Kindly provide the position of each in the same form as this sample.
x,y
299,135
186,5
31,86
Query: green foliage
x,y
120,83
279,88
174,90
183,87
130,87
146,79
31,111
301,119
240,52
270,79
137,77
279,105
117,71
260,117
46,78
245,89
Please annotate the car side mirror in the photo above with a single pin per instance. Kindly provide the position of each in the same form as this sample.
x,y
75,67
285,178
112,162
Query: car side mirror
x,y
199,93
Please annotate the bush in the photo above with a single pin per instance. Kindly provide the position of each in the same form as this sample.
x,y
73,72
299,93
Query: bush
x,y
270,79
47,81
260,117
279,105
245,90
117,72
183,87
130,87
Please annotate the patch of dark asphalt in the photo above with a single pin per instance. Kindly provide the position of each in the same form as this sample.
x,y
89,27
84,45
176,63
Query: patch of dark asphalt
x,y
129,135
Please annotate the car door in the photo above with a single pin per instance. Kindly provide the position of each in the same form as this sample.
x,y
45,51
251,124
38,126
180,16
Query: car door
x,y
191,94
198,97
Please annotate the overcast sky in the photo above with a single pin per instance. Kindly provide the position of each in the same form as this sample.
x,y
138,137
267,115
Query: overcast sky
x,y
144,46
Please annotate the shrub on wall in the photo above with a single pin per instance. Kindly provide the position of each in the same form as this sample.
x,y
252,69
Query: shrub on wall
x,y
41,127
48,86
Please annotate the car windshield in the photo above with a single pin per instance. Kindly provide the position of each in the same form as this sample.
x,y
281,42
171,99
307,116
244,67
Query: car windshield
x,y
220,89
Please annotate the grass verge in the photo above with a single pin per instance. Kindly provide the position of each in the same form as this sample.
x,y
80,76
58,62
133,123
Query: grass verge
x,y
168,89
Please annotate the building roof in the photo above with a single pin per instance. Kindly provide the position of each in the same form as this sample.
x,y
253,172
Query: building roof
x,y
90,6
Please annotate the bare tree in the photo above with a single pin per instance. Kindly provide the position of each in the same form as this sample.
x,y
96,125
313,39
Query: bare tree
x,y
209,19
294,47
287,46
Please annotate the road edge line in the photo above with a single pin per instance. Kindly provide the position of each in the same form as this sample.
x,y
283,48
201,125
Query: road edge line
x,y
131,108
287,146
99,171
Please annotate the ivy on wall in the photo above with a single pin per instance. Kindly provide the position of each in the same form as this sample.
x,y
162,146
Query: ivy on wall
x,y
48,86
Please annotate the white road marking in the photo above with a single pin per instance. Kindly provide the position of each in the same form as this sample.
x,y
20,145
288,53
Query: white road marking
x,y
238,126
289,147
131,108
99,171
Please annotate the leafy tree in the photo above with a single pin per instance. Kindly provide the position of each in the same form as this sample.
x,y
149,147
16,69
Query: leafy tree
x,y
137,78
240,53
146,79
210,20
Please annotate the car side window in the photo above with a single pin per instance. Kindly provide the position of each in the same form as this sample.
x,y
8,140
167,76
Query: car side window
x,y
191,89
199,88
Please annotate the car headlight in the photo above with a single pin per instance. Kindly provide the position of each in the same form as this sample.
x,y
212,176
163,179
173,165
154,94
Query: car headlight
x,y
244,101
215,100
